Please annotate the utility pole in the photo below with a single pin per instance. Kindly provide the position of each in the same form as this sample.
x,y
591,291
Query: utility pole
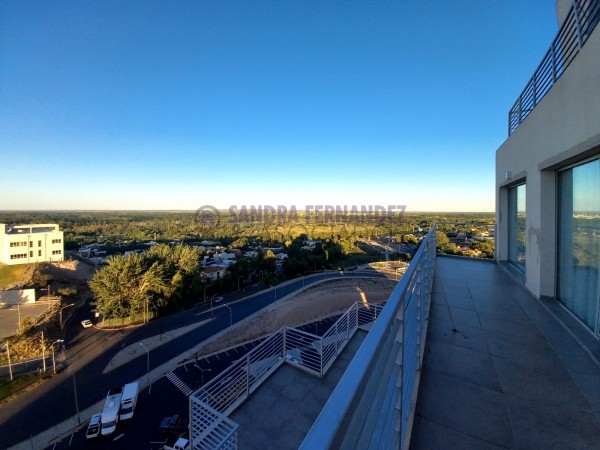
x,y
19,314
43,353
9,366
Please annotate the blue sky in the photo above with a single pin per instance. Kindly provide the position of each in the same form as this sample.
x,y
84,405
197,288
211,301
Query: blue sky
x,y
174,105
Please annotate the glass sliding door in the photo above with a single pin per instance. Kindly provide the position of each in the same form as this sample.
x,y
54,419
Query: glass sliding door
x,y
516,226
579,241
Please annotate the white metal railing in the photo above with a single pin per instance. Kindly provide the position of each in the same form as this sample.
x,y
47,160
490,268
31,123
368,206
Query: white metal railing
x,y
307,351
218,432
373,403
582,18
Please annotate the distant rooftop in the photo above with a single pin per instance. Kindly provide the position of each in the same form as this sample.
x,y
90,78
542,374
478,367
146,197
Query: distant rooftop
x,y
29,228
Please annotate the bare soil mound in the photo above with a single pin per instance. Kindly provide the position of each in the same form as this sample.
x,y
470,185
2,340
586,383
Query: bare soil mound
x,y
317,302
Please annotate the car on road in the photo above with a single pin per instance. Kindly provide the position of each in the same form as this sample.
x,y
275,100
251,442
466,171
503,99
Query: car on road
x,y
173,424
93,429
86,323
218,299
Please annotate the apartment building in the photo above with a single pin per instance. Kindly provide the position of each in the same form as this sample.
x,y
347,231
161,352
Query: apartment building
x,y
20,244
548,170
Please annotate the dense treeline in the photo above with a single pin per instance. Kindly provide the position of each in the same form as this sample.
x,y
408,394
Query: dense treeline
x,y
117,227
130,285
164,275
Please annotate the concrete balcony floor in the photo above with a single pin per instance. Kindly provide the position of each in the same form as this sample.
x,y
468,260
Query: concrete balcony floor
x,y
511,375
282,410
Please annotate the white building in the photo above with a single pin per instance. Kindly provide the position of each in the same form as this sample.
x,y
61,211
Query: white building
x,y
548,171
21,244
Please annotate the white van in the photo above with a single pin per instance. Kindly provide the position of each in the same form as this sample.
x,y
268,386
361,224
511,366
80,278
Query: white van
x,y
110,413
129,400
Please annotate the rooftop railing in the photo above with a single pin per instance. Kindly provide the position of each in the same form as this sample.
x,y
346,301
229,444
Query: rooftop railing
x,y
582,18
209,406
372,406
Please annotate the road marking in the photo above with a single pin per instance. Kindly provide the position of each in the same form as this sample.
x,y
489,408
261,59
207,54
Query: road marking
x,y
71,440
119,436
184,388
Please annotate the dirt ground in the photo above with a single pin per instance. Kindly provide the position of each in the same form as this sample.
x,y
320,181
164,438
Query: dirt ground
x,y
315,303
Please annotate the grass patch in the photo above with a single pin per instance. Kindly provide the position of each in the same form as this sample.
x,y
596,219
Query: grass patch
x,y
21,384
10,275
122,321
361,255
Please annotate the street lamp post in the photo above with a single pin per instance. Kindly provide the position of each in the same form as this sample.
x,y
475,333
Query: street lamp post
x,y
76,402
202,374
212,313
58,341
60,314
147,361
230,314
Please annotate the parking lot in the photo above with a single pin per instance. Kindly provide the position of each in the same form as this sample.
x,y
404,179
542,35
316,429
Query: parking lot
x,y
9,315
167,397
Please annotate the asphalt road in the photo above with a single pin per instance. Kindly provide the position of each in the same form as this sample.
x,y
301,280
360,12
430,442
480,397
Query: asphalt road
x,y
90,350
165,399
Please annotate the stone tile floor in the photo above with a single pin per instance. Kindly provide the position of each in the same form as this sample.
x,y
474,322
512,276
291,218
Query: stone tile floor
x,y
500,371
279,414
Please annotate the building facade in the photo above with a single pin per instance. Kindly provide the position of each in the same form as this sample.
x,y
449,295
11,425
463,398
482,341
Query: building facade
x,y
21,244
548,171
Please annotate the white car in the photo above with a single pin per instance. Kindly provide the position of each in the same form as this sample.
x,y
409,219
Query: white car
x,y
86,323
93,429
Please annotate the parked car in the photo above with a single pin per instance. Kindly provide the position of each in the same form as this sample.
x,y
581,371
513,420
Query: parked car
x,y
173,424
93,429
86,323
176,443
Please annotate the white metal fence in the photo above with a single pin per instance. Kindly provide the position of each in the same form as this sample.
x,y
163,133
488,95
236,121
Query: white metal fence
x,y
372,406
210,405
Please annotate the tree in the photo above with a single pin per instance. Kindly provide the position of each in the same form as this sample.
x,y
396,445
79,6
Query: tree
x,y
485,247
240,243
155,278
118,286
444,245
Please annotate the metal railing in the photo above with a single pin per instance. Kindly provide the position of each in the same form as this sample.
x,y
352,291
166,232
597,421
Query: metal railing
x,y
582,18
218,432
309,352
373,403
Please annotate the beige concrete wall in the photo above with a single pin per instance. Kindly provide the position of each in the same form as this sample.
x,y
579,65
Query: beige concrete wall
x,y
563,129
